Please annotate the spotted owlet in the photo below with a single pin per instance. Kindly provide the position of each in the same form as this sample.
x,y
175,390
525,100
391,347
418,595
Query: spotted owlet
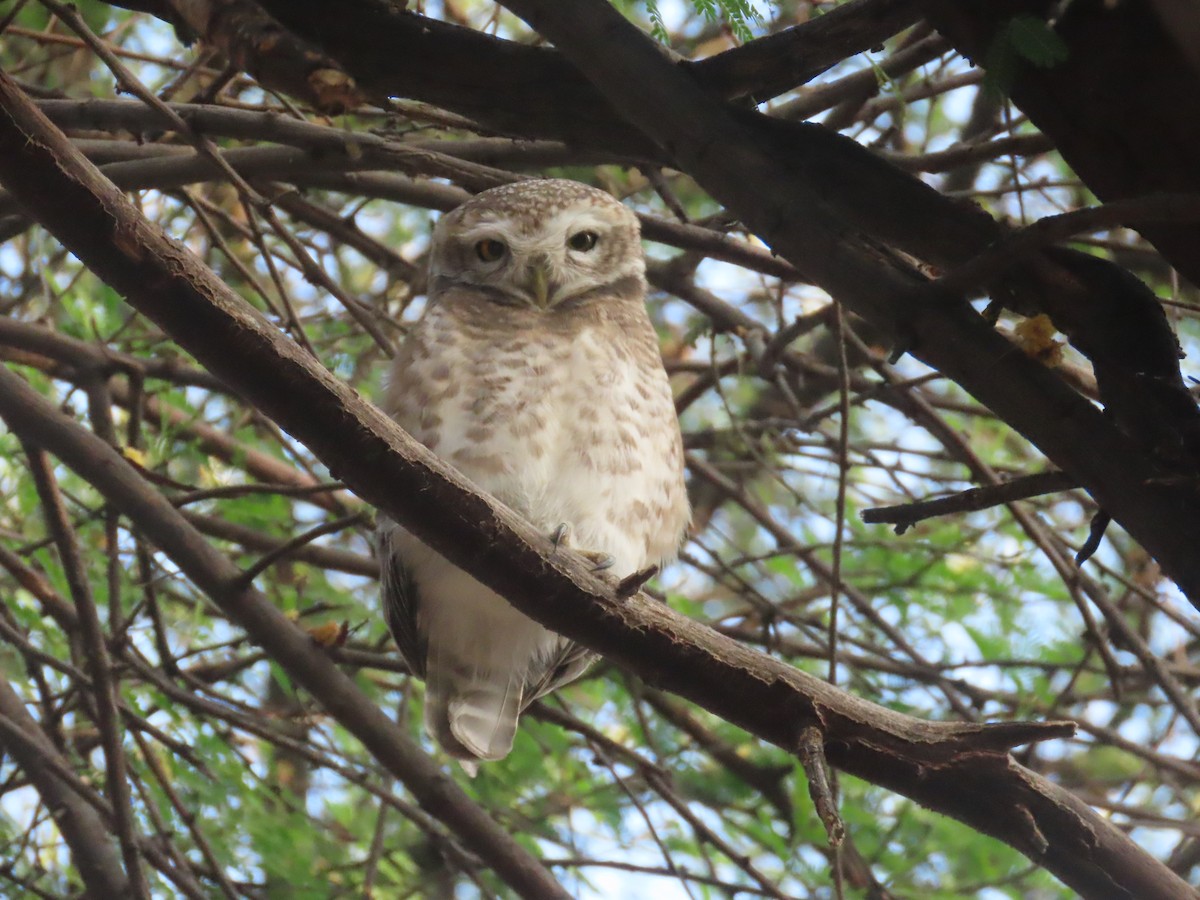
x,y
536,373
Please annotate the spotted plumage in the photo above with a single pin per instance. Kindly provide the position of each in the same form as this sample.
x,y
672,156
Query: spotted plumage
x,y
535,371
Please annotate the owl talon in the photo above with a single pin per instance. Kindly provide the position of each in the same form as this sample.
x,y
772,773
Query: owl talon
x,y
560,535
600,561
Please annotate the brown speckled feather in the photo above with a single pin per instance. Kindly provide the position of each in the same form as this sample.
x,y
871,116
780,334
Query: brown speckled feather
x,y
535,371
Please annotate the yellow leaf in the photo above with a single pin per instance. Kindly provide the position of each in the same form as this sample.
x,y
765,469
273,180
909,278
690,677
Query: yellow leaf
x,y
329,634
1036,337
334,90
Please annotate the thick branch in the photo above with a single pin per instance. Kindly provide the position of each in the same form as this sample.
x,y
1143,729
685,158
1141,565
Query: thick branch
x,y
394,53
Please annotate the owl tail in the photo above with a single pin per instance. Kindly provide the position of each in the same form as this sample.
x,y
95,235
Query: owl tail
x,y
473,717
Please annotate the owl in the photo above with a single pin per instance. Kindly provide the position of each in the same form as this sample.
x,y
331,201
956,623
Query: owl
x,y
535,372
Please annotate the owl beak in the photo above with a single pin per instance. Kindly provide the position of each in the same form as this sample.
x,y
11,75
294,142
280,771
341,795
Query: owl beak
x,y
539,283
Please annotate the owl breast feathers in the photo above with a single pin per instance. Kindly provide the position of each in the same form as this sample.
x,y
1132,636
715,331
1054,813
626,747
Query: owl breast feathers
x,y
535,371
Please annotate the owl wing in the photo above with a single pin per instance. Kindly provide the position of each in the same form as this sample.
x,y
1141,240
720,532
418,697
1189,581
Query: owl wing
x,y
398,595
569,661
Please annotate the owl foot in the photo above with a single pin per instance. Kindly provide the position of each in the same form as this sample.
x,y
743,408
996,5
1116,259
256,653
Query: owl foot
x,y
599,560
561,537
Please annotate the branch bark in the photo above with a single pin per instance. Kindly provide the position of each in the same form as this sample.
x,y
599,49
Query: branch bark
x,y
409,55
963,770
906,515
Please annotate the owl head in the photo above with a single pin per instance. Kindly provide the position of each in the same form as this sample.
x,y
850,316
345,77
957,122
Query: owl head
x,y
542,245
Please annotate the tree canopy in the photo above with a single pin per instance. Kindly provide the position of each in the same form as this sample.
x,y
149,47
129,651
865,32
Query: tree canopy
x,y
924,272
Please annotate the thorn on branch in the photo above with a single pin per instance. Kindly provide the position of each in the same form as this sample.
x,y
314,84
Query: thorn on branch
x,y
1099,525
631,584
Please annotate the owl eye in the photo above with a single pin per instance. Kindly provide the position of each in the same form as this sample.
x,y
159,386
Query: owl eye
x,y
583,241
490,250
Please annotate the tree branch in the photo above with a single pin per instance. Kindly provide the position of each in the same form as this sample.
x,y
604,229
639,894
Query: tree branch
x,y
408,55
908,514
1117,126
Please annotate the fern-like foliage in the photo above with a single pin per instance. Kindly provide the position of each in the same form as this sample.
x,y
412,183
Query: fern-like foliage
x,y
739,15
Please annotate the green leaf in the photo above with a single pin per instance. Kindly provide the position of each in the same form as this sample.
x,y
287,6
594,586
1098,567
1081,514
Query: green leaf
x,y
1036,41
1022,41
